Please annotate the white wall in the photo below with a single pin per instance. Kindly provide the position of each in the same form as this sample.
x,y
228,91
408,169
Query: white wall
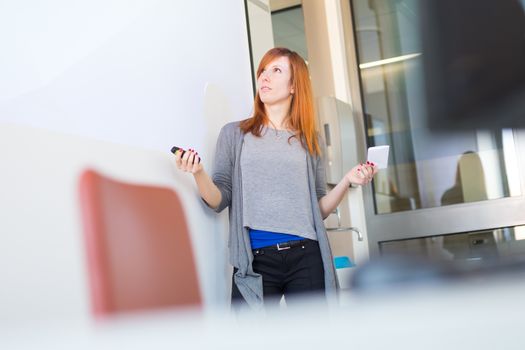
x,y
112,85
261,31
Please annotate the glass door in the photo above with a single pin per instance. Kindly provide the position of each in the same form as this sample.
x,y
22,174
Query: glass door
x,y
436,184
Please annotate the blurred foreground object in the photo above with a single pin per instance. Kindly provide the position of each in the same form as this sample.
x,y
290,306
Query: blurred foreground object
x,y
474,61
138,246
397,272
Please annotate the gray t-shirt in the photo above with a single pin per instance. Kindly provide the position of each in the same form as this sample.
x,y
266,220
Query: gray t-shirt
x,y
275,187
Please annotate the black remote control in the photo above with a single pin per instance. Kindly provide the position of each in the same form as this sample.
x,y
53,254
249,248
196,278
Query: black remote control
x,y
175,149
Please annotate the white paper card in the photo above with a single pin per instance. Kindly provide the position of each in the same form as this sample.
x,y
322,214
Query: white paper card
x,y
379,156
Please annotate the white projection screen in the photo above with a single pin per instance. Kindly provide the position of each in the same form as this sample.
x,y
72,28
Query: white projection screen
x,y
138,73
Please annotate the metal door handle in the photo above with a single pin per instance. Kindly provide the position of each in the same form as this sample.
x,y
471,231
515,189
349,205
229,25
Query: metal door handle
x,y
349,228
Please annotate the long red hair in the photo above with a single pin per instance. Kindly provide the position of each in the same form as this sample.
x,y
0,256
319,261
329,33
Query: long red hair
x,y
301,117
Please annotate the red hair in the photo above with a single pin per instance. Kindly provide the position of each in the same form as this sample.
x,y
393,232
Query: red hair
x,y
301,117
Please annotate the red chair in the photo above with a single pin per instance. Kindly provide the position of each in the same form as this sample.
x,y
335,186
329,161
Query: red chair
x,y
138,246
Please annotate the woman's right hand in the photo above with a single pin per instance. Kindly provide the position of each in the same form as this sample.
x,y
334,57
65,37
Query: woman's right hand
x,y
190,162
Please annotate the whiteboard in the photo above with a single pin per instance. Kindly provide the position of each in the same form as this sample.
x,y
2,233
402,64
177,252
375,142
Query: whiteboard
x,y
130,72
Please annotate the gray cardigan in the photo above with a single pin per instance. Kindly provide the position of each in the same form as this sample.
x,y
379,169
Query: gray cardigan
x,y
227,177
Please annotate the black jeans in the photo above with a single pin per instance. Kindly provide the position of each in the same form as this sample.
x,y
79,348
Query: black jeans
x,y
292,272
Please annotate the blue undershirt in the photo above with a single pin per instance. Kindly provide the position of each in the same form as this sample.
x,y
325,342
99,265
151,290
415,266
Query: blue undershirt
x,y
260,239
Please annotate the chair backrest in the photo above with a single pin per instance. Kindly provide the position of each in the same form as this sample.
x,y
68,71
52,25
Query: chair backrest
x,y
138,246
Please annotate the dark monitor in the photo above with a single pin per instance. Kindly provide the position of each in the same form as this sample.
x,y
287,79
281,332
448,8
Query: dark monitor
x,y
474,63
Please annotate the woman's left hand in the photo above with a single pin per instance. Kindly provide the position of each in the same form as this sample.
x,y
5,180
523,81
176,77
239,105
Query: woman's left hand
x,y
362,174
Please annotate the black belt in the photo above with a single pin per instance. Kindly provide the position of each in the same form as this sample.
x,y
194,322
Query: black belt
x,y
286,245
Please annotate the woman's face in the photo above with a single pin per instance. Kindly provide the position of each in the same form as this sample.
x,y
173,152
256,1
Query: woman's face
x,y
274,85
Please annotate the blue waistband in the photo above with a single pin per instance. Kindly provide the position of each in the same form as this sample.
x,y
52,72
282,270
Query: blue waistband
x,y
259,238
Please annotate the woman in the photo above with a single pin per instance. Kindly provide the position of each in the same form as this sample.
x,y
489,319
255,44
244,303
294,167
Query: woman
x,y
269,172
